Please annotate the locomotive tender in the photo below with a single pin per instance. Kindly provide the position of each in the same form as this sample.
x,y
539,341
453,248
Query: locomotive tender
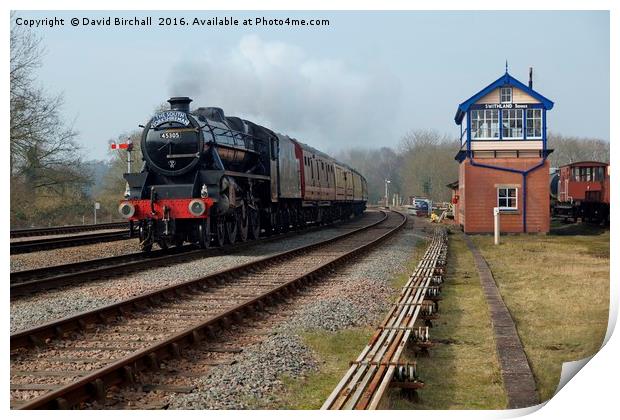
x,y
208,179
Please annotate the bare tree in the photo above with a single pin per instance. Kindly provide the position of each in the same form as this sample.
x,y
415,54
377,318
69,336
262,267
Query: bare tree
x,y
567,149
428,164
44,157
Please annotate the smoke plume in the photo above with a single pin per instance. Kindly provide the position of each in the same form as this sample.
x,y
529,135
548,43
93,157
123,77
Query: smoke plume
x,y
320,101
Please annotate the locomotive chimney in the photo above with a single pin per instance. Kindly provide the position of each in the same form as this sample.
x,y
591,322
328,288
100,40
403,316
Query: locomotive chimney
x,y
180,103
531,83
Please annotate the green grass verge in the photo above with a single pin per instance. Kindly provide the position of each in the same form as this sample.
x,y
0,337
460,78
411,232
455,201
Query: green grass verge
x,y
557,290
334,350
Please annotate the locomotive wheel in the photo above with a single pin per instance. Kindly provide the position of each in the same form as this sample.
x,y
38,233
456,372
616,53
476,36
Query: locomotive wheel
x,y
254,222
243,222
204,234
219,230
231,229
163,244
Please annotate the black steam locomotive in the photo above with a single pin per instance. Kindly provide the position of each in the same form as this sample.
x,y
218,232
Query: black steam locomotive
x,y
212,179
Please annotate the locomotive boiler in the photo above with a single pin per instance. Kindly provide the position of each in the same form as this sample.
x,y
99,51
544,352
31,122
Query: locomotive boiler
x,y
212,179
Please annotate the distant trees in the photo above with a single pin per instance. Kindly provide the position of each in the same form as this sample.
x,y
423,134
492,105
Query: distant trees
x,y
48,178
424,162
567,149
429,164
376,165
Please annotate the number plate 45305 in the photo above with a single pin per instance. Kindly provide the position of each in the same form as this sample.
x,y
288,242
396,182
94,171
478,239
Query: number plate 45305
x,y
170,135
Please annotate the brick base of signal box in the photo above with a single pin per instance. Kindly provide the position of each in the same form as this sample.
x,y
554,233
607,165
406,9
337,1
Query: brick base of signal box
x,y
478,195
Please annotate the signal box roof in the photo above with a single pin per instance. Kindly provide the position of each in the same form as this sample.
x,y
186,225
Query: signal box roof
x,y
504,80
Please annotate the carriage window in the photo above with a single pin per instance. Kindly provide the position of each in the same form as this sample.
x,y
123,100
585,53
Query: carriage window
x,y
599,174
587,174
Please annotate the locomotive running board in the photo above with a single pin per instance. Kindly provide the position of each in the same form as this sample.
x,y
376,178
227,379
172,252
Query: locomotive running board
x,y
244,175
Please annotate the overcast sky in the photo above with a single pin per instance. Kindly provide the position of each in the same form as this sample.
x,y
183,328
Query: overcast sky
x,y
364,80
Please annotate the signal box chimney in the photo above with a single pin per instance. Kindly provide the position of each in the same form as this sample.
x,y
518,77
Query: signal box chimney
x,y
530,84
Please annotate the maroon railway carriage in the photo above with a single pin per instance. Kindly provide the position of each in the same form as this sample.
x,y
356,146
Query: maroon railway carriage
x,y
583,192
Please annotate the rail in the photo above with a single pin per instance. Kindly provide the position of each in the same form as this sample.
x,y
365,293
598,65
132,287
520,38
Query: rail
x,y
59,230
22,247
28,282
88,385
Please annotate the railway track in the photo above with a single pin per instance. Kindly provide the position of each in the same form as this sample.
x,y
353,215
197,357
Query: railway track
x,y
378,366
28,282
64,363
21,247
60,230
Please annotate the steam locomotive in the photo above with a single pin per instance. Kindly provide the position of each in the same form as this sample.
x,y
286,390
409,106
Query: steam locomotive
x,y
211,179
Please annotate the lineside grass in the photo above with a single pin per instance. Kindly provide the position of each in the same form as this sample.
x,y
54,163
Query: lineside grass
x,y
335,350
462,371
557,290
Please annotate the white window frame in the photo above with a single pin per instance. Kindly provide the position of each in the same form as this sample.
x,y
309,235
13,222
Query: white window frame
x,y
527,123
507,197
505,120
488,121
501,95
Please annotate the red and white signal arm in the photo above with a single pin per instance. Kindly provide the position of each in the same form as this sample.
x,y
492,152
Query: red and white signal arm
x,y
122,146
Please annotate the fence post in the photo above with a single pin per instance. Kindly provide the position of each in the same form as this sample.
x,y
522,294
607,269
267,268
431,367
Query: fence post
x,y
496,224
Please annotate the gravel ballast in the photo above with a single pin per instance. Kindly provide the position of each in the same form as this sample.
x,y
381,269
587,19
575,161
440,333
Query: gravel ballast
x,y
44,307
253,379
51,257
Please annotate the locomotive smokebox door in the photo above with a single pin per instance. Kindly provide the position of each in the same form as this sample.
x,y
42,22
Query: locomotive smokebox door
x,y
172,141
